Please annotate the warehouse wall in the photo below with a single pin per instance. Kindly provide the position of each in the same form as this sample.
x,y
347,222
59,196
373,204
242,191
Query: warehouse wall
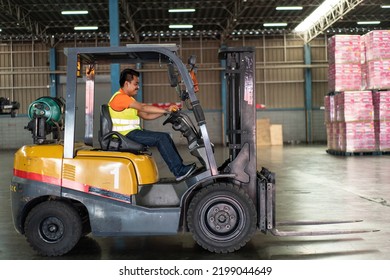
x,y
280,83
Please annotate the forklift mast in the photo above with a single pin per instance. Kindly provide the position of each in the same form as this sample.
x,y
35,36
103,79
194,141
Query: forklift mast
x,y
241,136
241,115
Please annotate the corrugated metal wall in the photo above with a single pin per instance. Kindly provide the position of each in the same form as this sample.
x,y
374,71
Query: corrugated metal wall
x,y
280,82
280,76
24,74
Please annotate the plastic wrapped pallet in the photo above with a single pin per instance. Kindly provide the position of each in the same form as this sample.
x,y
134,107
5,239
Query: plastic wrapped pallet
x,y
330,108
381,100
344,77
383,135
378,74
357,136
354,106
345,56
377,45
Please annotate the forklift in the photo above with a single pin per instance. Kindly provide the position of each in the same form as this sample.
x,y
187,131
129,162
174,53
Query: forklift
x,y
63,189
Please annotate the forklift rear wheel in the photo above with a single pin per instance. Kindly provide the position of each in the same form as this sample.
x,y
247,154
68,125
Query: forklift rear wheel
x,y
222,218
53,228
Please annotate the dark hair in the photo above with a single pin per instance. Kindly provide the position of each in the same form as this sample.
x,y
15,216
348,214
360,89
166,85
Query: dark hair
x,y
127,75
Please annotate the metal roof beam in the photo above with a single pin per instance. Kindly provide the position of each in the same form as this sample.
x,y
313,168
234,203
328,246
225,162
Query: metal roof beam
x,y
338,11
129,20
232,18
23,18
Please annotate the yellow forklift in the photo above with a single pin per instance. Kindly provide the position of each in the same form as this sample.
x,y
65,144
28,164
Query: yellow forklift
x,y
63,189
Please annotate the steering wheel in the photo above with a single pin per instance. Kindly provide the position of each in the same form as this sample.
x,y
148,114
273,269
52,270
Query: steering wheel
x,y
172,116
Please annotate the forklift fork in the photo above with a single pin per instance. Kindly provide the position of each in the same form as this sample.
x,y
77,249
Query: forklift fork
x,y
267,219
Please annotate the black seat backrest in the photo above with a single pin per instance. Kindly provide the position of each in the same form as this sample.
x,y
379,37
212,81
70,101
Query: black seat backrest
x,y
114,141
105,120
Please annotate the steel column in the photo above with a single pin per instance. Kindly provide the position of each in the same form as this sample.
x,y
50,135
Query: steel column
x,y
114,41
308,93
53,76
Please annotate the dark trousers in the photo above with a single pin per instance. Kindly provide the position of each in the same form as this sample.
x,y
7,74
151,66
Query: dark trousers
x,y
165,146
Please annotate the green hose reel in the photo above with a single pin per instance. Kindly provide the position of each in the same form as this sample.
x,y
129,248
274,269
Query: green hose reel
x,y
45,115
48,107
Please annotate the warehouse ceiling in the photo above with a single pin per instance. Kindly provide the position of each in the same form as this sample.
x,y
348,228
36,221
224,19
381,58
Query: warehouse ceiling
x,y
142,19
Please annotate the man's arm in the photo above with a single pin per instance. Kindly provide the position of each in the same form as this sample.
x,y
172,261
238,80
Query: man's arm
x,y
147,112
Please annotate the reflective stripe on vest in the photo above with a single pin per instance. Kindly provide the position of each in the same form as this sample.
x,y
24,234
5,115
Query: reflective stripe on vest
x,y
123,125
124,121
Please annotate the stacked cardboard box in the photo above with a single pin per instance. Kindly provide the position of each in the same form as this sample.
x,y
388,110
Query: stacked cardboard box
x,y
351,127
345,77
345,70
377,45
333,136
352,106
357,137
356,113
377,65
330,109
268,134
378,74
376,60
381,100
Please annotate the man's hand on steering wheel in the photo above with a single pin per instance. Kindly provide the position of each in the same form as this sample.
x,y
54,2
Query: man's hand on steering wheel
x,y
173,108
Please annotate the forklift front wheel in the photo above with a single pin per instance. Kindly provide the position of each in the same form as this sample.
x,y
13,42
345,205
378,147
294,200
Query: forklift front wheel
x,y
53,228
222,218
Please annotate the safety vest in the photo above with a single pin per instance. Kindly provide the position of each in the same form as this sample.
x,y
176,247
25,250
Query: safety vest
x,y
124,121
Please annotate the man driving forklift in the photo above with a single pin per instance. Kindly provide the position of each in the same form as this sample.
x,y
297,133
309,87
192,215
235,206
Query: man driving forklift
x,y
126,112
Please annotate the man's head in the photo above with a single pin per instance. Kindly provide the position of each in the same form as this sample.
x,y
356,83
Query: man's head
x,y
129,81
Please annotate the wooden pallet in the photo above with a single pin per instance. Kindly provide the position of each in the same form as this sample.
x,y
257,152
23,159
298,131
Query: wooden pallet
x,y
357,153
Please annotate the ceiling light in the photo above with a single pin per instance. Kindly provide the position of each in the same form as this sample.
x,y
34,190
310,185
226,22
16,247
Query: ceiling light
x,y
275,24
316,15
289,8
385,6
74,12
368,22
86,28
181,10
180,26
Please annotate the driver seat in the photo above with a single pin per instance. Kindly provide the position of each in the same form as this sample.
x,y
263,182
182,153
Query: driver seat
x,y
114,141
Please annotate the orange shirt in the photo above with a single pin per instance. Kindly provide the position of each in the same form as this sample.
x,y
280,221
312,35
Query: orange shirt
x,y
121,101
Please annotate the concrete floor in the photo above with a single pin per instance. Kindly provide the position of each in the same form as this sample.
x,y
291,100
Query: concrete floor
x,y
311,185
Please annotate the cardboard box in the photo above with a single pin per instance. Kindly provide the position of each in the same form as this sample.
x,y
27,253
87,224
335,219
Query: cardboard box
x,y
263,132
377,43
381,105
344,77
276,132
378,74
357,136
344,49
354,106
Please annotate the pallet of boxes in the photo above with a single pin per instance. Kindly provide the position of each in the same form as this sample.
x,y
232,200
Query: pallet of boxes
x,y
357,106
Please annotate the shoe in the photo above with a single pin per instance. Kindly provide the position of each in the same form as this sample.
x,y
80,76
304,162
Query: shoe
x,y
188,173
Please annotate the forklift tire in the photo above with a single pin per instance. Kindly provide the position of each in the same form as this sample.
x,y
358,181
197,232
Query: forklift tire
x,y
53,228
222,218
